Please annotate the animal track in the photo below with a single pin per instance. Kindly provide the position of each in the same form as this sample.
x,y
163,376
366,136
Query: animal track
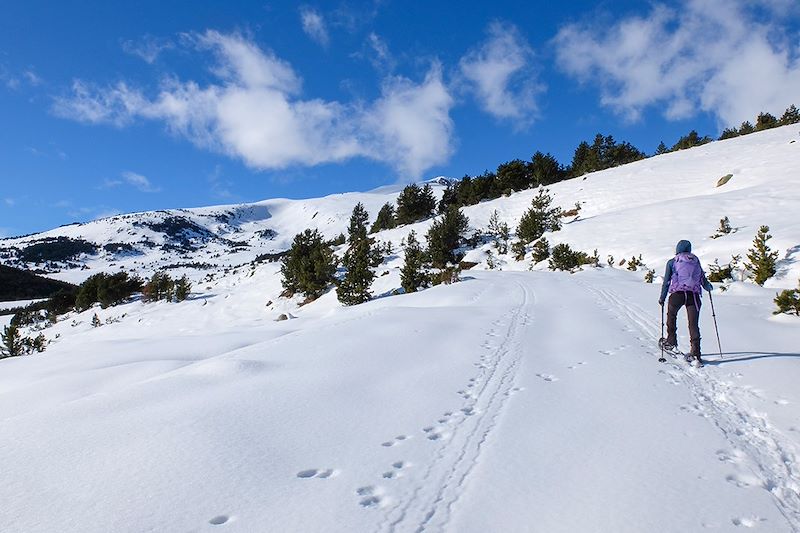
x,y
547,377
747,521
397,440
313,472
219,520
371,496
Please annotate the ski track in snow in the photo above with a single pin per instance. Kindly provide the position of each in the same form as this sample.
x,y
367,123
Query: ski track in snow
x,y
461,435
756,445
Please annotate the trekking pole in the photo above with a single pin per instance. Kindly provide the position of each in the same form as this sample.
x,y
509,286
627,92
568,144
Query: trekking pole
x,y
714,316
662,359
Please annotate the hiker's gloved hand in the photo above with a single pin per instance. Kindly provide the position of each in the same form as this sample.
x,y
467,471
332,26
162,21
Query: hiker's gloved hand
x,y
661,302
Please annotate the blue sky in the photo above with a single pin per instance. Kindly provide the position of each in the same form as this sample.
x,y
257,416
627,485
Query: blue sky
x,y
107,108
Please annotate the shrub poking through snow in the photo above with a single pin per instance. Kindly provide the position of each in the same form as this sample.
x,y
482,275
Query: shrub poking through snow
x,y
96,323
723,229
635,263
540,218
309,266
719,274
413,276
761,258
565,258
540,251
788,301
650,275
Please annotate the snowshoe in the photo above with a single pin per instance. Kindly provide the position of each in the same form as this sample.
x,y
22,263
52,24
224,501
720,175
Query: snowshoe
x,y
671,349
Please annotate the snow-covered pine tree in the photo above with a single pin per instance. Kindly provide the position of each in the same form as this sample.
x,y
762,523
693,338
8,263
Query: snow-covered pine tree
x,y
499,232
761,258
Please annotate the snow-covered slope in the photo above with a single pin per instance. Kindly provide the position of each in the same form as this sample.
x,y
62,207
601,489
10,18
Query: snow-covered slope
x,y
512,401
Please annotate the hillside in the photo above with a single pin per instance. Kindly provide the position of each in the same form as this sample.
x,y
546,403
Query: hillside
x,y
16,284
518,399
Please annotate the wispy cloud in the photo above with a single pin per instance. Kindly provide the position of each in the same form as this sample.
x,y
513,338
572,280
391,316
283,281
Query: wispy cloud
x,y
731,58
133,179
256,113
500,74
5,232
17,80
147,48
314,26
10,202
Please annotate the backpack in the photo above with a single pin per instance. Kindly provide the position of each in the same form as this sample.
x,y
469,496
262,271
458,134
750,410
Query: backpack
x,y
687,274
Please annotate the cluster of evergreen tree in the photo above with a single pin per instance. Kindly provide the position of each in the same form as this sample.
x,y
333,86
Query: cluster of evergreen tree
x,y
764,121
309,266
602,154
13,344
107,289
161,287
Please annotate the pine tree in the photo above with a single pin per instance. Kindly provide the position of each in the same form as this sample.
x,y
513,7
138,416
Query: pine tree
x,y
513,176
761,259
746,128
499,232
766,121
385,219
354,288
182,288
662,148
790,116
445,235
12,343
545,169
788,301
357,230
96,321
728,133
309,265
415,204
160,287
412,275
540,251
540,218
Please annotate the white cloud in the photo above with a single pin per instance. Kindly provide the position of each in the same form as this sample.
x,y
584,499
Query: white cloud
x,y
412,122
500,73
380,58
728,57
147,48
256,114
139,181
314,26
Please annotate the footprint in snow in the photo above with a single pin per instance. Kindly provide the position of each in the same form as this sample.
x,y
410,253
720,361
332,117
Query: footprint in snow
x,y
371,496
219,520
397,467
547,377
752,521
397,440
316,473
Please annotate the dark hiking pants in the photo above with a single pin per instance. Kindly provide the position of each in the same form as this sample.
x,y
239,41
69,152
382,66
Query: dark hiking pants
x,y
692,302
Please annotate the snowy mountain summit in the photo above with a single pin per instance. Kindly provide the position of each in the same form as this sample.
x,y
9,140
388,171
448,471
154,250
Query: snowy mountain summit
x,y
518,399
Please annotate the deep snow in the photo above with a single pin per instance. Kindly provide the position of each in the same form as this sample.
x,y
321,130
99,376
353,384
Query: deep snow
x,y
514,400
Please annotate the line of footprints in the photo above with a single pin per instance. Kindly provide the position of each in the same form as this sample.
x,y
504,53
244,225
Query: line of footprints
x,y
371,496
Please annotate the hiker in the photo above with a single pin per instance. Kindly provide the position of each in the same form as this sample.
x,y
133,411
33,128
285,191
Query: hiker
x,y
685,280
